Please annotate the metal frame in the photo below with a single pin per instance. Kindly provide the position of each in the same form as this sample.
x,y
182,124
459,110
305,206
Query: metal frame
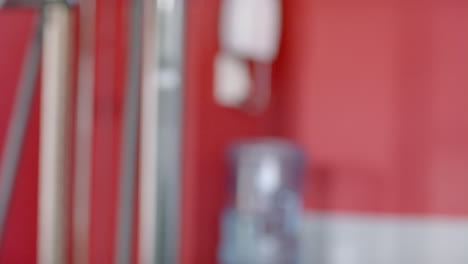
x,y
53,131
128,159
161,100
148,192
52,39
161,129
171,29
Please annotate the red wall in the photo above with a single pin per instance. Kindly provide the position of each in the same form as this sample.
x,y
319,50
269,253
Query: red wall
x,y
110,48
19,241
375,92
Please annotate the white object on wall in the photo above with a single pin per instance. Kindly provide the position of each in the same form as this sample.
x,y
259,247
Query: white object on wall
x,y
250,30
232,80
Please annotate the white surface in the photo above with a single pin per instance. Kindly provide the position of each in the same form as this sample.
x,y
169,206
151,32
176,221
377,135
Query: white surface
x,y
251,28
364,239
232,81
269,175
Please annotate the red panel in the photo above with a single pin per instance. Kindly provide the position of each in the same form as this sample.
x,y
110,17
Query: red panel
x,y
446,166
111,47
376,93
70,119
19,244
337,86
378,98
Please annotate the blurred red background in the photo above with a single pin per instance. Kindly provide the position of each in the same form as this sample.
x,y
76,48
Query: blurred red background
x,y
374,91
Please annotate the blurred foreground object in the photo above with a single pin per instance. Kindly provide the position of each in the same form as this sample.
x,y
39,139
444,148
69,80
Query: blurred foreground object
x,y
55,99
250,31
262,220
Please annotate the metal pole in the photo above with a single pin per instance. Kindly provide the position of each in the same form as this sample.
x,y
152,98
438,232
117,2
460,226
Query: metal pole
x,y
171,29
129,139
148,191
84,133
54,97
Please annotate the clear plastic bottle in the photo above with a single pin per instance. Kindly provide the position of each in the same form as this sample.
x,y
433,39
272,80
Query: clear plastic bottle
x,y
261,222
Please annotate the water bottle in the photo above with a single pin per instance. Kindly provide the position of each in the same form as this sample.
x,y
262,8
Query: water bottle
x,y
261,221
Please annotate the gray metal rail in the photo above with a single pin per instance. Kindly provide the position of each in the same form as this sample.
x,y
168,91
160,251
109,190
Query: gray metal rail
x,y
171,29
128,160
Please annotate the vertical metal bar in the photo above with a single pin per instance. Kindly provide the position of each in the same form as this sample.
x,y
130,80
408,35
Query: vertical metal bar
x,y
84,133
148,192
17,126
170,19
52,133
129,139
